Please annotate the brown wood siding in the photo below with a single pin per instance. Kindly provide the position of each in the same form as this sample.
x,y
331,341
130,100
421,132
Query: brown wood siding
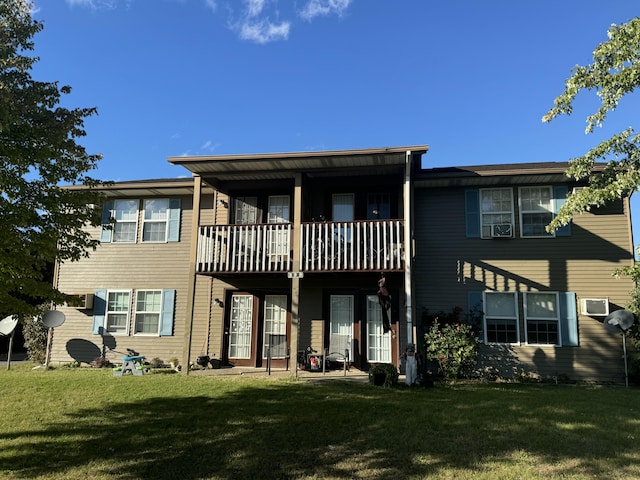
x,y
139,266
448,265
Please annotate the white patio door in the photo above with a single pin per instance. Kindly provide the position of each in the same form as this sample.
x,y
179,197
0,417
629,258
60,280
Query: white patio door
x,y
240,326
341,325
278,239
378,342
275,326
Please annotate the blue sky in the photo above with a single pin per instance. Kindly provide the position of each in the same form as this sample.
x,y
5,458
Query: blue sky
x,y
470,78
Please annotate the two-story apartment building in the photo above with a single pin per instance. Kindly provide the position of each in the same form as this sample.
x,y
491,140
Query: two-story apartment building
x,y
259,256
481,243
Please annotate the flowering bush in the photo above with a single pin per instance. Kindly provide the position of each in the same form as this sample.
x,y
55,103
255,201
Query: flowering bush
x,y
451,343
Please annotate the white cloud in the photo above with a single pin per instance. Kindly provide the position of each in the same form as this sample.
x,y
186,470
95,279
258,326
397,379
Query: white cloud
x,y
95,4
264,31
211,5
209,146
318,8
254,7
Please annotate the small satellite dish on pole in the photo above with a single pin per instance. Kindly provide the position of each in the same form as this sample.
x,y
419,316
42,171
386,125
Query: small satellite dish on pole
x,y
620,321
8,327
53,318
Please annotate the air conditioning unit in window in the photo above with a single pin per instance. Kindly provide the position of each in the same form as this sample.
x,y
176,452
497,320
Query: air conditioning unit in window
x,y
501,230
595,307
82,301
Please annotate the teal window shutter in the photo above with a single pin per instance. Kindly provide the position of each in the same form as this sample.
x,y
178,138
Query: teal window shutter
x,y
99,310
166,317
107,233
560,193
173,233
568,319
472,212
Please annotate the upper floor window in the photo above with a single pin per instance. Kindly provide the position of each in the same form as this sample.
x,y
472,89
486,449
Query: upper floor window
x,y
536,211
154,223
378,206
125,214
489,212
278,209
246,210
496,212
160,220
343,207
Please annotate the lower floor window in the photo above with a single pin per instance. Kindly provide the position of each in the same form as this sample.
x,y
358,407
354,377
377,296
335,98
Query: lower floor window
x,y
148,308
117,312
542,318
501,317
275,326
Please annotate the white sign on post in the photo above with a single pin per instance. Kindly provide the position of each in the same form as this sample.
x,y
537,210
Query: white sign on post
x,y
295,274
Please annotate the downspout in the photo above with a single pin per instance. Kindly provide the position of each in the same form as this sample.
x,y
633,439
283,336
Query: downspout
x,y
408,243
191,291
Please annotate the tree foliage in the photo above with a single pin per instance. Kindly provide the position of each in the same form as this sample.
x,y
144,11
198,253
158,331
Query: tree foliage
x,y
614,73
41,219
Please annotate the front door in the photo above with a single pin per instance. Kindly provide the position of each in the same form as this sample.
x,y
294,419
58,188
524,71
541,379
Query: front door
x,y
240,349
274,342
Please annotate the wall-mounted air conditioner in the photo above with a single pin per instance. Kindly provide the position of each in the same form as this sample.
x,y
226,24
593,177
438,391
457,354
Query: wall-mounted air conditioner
x,y
595,307
501,230
82,301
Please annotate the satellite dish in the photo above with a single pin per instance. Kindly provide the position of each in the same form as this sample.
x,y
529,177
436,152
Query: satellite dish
x,y
618,321
53,318
8,324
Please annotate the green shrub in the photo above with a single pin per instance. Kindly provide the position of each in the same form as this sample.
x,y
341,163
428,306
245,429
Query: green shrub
x,y
35,339
452,344
383,375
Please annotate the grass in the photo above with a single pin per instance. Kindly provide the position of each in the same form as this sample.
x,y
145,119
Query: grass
x,y
87,424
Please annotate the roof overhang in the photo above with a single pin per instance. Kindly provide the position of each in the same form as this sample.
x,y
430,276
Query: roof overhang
x,y
273,166
145,188
503,174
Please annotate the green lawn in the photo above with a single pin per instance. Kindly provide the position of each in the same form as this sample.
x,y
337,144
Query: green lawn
x,y
87,424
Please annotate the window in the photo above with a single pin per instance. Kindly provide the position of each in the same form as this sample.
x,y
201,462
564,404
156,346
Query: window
x,y
378,206
343,207
542,318
125,213
278,235
161,221
536,211
154,224
496,208
275,326
246,210
501,317
148,310
117,312
340,325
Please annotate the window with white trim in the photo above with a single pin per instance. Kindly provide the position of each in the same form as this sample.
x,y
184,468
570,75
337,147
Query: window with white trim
x,y
542,318
496,208
501,317
117,312
148,310
536,211
154,220
125,213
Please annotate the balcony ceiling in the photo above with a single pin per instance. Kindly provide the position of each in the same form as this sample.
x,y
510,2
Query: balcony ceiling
x,y
285,165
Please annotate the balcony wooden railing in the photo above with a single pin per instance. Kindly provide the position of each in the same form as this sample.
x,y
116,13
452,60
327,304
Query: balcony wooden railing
x,y
363,245
324,247
244,248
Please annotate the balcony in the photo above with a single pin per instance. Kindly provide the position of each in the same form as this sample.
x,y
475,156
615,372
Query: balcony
x,y
324,247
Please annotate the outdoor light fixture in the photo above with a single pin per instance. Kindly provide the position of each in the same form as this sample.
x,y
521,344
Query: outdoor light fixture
x,y
223,203
218,302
